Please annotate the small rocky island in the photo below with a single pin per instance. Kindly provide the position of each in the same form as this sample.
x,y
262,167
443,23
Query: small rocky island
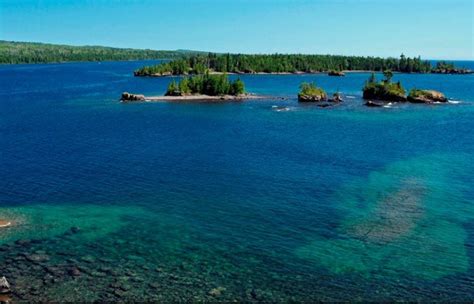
x,y
378,93
384,90
426,96
309,92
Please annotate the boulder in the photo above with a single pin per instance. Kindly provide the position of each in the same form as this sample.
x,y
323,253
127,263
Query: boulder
x,y
132,97
426,96
312,97
336,97
4,285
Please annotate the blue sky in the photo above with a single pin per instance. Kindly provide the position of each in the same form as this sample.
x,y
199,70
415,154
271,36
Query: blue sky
x,y
430,28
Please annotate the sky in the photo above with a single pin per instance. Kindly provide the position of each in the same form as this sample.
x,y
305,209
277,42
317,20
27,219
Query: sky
x,y
433,29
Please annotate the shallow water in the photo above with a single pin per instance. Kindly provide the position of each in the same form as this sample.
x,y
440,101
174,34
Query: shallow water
x,y
260,200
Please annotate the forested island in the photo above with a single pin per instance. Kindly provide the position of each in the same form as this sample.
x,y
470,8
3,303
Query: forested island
x,y
280,63
199,88
212,85
378,93
29,52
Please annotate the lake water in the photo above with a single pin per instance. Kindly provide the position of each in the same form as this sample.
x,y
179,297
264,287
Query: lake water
x,y
265,200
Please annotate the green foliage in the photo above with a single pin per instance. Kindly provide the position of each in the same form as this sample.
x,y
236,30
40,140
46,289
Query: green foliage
x,y
388,74
415,93
213,85
279,63
237,87
309,89
384,90
173,89
444,67
27,52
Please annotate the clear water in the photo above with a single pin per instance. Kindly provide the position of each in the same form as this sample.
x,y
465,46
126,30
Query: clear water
x,y
261,201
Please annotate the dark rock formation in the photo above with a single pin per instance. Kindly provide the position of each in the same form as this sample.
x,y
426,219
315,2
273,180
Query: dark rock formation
x,y
132,97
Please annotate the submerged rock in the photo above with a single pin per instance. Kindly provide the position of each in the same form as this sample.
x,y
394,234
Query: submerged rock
x,y
74,271
132,97
4,285
426,96
215,292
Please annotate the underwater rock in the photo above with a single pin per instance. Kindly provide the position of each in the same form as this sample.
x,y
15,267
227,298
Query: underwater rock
x,y
37,258
75,229
395,216
4,285
88,259
215,292
24,242
74,271
154,285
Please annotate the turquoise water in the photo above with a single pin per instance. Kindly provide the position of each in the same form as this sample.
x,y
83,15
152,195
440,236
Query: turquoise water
x,y
260,201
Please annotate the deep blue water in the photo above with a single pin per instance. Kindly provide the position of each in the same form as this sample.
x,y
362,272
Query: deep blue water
x,y
180,201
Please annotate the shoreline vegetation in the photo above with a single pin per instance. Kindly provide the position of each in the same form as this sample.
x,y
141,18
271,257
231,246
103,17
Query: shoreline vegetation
x,y
12,52
334,65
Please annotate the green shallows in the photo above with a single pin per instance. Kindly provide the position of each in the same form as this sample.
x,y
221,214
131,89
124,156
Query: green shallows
x,y
42,221
406,219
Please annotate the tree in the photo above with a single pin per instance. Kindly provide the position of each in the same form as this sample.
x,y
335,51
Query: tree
x,y
238,87
372,78
388,74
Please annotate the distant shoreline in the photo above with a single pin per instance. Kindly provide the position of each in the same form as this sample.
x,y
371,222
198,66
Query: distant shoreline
x,y
269,73
296,73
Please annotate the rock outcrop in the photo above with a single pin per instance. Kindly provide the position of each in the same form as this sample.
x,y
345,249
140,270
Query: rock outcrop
x,y
336,73
426,96
312,97
336,97
4,285
132,97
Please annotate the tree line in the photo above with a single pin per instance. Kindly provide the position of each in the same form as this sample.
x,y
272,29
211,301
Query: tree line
x,y
281,63
207,84
28,52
